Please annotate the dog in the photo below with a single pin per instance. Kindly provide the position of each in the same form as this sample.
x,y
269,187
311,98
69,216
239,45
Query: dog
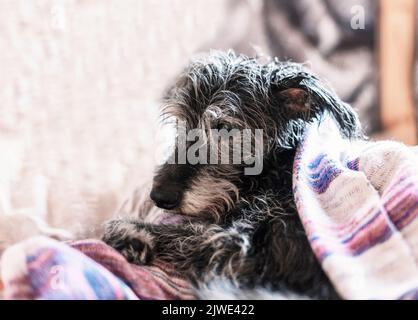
x,y
240,227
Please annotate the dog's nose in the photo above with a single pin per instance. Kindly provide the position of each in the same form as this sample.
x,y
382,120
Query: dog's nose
x,y
165,199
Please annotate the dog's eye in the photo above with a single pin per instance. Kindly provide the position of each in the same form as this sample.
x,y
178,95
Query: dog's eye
x,y
223,126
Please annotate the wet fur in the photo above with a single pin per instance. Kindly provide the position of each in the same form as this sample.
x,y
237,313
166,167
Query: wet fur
x,y
242,228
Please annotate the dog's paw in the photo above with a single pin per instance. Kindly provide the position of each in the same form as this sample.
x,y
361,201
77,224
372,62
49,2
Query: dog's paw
x,y
131,239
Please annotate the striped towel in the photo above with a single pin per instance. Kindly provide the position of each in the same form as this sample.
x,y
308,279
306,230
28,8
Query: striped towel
x,y
358,202
42,268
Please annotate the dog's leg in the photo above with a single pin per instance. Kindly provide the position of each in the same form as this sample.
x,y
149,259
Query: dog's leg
x,y
189,247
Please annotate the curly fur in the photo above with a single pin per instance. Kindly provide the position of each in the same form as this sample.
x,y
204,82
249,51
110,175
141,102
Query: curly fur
x,y
240,227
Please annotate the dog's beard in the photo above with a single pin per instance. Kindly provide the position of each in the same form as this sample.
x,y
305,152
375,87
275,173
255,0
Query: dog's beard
x,y
209,196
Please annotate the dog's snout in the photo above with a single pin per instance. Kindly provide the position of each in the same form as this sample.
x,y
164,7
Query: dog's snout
x,y
165,199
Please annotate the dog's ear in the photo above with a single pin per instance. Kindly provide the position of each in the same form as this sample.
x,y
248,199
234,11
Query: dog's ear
x,y
303,96
295,100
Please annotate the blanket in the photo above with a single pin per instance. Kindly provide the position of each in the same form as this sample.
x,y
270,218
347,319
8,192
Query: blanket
x,y
42,268
358,202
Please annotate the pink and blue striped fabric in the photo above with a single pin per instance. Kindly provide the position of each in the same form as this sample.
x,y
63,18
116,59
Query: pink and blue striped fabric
x,y
358,202
42,268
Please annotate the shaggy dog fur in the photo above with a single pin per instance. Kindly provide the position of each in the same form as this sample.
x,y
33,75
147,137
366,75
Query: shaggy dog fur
x,y
240,227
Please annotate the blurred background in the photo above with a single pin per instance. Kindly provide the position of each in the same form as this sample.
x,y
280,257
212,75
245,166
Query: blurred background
x,y
81,81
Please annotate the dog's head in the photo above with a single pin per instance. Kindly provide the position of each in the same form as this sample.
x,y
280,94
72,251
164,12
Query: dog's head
x,y
224,93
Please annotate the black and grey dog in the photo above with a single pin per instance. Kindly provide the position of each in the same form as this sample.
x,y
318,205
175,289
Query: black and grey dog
x,y
241,227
